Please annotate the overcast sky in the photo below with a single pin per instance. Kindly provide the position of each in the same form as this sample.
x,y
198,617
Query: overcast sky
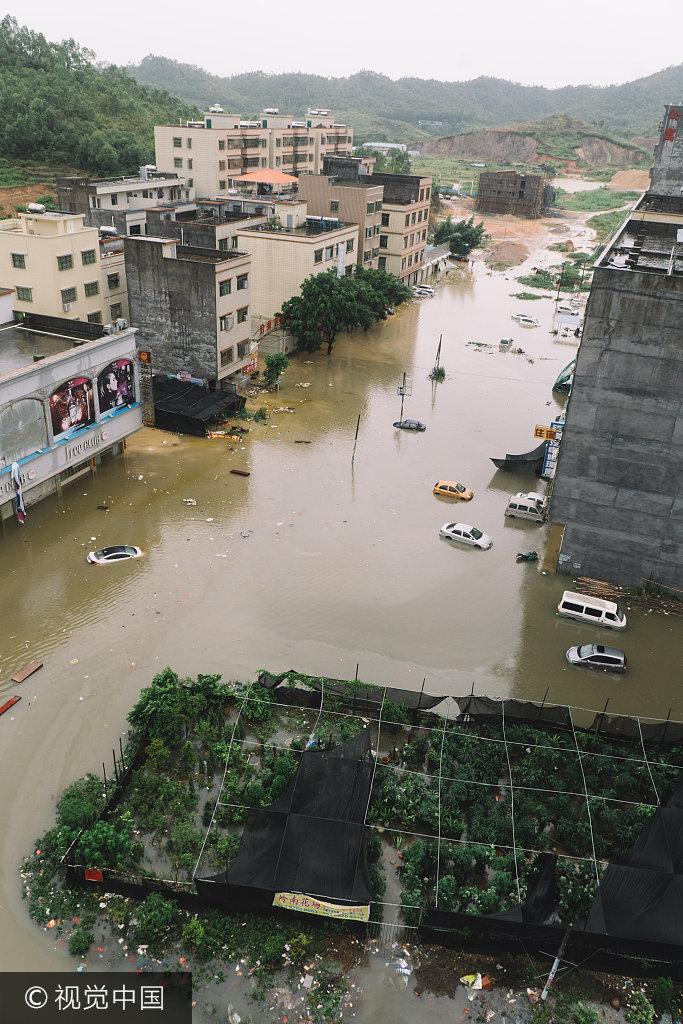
x,y
530,41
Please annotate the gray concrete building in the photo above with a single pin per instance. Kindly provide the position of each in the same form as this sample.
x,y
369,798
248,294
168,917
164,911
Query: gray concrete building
x,y
618,494
192,308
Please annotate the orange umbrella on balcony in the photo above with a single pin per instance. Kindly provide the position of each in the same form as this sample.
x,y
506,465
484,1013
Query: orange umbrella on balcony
x,y
267,176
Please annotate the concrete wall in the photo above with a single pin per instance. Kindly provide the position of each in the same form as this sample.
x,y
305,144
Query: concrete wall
x,y
667,172
619,481
281,262
176,305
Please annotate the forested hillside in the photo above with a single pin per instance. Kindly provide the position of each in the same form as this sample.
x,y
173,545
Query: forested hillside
x,y
396,107
59,107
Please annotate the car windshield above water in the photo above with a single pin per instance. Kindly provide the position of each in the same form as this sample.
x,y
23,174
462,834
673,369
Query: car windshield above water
x,y
477,534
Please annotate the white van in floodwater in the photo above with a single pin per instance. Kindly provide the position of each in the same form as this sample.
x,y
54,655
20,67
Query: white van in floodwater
x,y
527,506
591,609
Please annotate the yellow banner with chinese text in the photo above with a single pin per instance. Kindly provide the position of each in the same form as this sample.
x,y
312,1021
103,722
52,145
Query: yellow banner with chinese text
x,y
309,905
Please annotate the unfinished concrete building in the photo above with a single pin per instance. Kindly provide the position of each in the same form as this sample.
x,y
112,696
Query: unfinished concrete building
x,y
618,496
511,192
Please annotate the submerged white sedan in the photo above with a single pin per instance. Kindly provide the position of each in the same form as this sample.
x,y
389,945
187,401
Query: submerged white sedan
x,y
115,553
464,534
524,320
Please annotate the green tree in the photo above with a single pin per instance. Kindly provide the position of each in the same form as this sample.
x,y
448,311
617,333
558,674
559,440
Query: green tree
x,y
276,364
81,803
398,162
157,923
106,844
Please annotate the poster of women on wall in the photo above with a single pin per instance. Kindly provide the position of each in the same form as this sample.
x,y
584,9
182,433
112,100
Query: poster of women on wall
x,y
116,385
72,405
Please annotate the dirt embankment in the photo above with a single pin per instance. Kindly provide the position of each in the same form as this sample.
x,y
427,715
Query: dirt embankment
x,y
500,145
494,146
630,181
10,198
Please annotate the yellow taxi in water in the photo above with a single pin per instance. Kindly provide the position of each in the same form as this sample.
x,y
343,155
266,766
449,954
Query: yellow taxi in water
x,y
449,489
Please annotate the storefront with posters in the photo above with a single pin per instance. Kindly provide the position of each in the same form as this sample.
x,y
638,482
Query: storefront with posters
x,y
60,415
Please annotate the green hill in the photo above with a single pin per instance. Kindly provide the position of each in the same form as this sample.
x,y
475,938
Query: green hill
x,y
61,108
396,108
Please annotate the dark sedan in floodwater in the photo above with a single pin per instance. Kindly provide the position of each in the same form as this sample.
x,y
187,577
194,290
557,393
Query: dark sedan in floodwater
x,y
410,425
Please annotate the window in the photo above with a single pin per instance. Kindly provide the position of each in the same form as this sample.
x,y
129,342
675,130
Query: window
x,y
227,322
221,186
190,182
348,271
334,206
410,261
318,256
349,245
233,241
412,217
188,143
135,229
221,143
177,142
224,287
25,294
242,349
68,295
371,207
18,261
116,309
368,232
92,288
407,220
367,255
385,220
177,161
113,281
223,245
242,282
189,164
226,357
114,199
65,262
405,241
403,263
145,193
382,263
95,318
242,314
221,165
88,256
278,141
422,195
329,252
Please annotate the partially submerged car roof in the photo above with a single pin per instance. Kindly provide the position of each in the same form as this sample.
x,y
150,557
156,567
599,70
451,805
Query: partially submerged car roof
x,y
596,602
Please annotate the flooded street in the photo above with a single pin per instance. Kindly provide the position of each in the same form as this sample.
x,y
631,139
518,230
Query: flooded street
x,y
307,563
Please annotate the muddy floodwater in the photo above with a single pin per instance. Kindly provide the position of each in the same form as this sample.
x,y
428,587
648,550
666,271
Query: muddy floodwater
x,y
309,562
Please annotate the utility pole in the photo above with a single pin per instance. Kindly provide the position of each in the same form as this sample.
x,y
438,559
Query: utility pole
x,y
403,395
438,352
355,440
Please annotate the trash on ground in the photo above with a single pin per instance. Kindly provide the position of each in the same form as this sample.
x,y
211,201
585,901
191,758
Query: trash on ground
x,y
189,501
472,981
533,995
303,384
240,472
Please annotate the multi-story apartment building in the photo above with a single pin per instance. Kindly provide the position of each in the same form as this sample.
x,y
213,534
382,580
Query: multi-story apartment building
x,y
283,256
58,267
121,202
404,224
342,191
210,153
617,504
192,308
